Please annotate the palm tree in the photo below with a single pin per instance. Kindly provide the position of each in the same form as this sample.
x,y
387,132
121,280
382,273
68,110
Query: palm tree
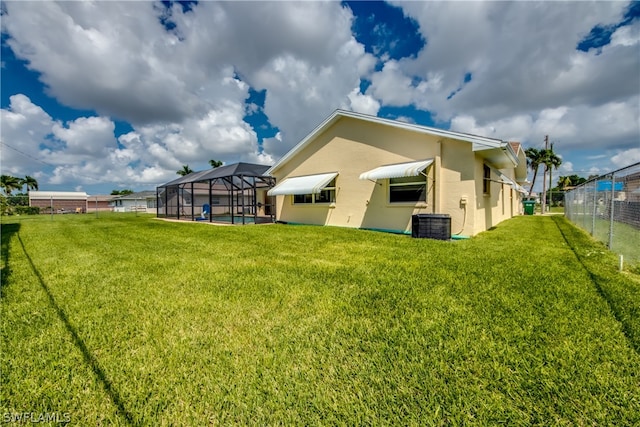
x,y
186,170
9,183
551,161
564,182
534,160
30,182
215,163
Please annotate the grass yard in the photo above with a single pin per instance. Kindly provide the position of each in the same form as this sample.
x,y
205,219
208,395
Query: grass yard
x,y
625,238
128,320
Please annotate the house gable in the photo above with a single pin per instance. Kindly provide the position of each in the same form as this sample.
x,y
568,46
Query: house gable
x,y
497,152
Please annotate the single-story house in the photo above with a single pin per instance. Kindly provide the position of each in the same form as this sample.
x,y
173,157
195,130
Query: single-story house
x,y
59,201
99,202
357,170
142,201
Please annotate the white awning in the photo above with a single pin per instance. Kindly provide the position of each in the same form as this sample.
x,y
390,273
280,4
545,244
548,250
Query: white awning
x,y
310,184
397,170
505,179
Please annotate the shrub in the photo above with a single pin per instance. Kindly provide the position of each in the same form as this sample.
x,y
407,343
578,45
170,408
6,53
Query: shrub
x,y
26,210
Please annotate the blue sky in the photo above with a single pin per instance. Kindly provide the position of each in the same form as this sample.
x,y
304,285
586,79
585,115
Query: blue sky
x,y
99,96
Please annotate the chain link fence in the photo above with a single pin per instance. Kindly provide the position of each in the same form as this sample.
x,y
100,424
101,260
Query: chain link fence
x,y
20,204
608,207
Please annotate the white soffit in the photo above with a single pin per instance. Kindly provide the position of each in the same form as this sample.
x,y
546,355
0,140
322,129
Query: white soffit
x,y
310,184
397,170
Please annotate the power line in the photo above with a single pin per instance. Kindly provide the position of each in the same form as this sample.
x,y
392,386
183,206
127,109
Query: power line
x,y
26,155
41,161
91,178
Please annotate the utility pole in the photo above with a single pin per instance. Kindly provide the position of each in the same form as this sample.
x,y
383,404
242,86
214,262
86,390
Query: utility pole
x,y
544,180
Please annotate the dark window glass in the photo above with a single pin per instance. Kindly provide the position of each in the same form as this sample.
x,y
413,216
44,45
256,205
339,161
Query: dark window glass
x,y
486,181
302,198
409,189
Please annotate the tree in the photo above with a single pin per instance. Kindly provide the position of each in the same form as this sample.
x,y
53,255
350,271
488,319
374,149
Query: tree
x,y
551,161
576,180
121,192
564,182
9,183
186,170
215,163
534,160
30,182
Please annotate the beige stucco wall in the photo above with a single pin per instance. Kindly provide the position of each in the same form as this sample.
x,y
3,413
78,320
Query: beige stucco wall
x,y
351,147
502,202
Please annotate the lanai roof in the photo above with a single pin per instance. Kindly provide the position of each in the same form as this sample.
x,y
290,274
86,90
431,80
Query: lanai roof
x,y
235,169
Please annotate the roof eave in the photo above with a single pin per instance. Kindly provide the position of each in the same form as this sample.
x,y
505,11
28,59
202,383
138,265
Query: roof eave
x,y
501,157
477,141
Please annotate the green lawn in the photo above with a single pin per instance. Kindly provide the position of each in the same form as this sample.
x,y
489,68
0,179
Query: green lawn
x,y
129,320
625,237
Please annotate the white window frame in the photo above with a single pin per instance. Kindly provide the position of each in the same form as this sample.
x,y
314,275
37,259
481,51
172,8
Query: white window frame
x,y
331,188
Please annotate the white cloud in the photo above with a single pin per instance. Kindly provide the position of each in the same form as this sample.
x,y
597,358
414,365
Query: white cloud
x,y
86,149
362,103
86,137
626,158
525,69
392,85
628,35
566,168
612,125
24,127
516,128
186,89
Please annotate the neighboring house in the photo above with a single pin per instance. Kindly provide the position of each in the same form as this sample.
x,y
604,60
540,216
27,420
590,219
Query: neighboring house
x,y
100,203
59,201
143,201
356,170
633,186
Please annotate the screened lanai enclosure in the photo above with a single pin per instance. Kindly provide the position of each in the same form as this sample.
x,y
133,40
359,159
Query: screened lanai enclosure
x,y
235,194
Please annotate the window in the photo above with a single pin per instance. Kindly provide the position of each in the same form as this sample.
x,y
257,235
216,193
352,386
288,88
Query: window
x,y
327,195
186,197
486,181
151,203
410,189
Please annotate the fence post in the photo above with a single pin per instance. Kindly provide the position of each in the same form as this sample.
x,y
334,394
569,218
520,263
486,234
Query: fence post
x,y
595,208
613,188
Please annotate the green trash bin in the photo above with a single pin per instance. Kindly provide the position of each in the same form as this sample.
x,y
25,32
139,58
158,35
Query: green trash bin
x,y
529,206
